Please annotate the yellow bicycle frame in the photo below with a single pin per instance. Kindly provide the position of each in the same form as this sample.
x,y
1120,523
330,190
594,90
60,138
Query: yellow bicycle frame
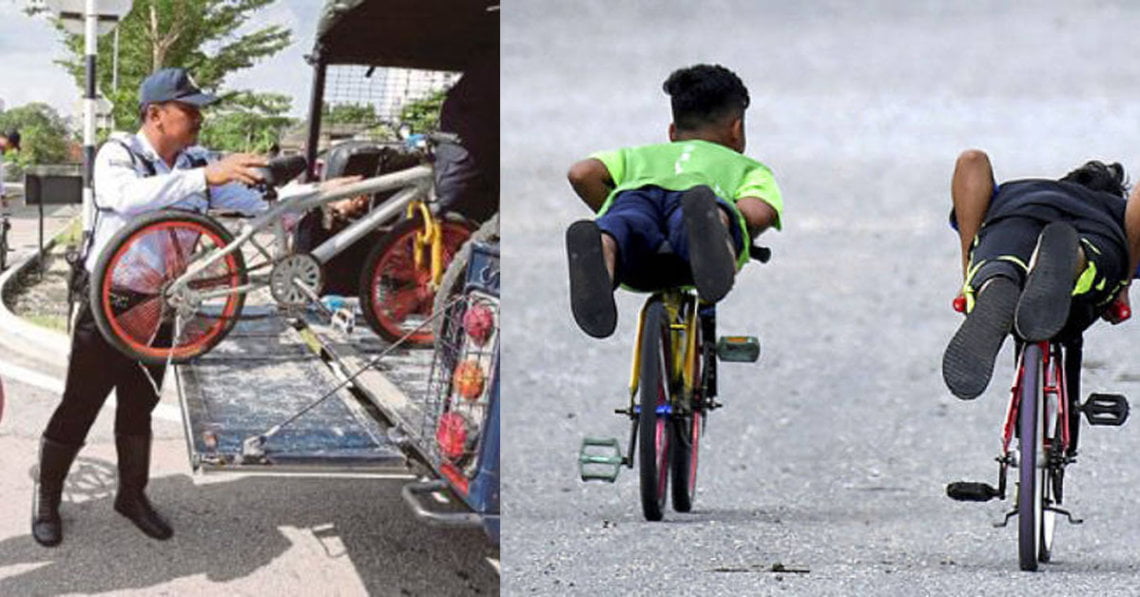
x,y
681,312
432,236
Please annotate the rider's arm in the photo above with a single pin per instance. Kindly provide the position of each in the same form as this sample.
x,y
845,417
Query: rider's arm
x,y
760,201
758,214
970,190
120,188
1132,230
591,181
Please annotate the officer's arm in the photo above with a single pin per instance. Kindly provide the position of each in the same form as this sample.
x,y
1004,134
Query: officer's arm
x,y
235,196
591,181
120,188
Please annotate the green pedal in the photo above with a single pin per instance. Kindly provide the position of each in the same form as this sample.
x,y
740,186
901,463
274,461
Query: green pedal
x,y
738,349
600,459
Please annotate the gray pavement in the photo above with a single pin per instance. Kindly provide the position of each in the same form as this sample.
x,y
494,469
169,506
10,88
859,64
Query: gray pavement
x,y
832,452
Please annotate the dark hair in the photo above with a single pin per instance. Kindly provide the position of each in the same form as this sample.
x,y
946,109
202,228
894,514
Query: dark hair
x,y
1099,176
705,94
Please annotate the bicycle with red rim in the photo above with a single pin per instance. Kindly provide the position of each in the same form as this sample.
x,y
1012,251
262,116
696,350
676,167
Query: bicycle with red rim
x,y
672,390
172,285
1039,438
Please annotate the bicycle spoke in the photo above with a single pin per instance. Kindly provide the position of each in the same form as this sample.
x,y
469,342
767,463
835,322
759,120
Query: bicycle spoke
x,y
142,320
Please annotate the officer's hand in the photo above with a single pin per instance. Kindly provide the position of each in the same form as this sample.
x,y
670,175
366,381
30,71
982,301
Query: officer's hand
x,y
237,167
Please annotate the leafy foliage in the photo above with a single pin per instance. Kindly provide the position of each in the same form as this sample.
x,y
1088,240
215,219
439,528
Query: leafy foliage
x,y
248,122
199,35
44,137
423,115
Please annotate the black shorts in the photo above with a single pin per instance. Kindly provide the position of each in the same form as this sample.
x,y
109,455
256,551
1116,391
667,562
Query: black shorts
x,y
1004,247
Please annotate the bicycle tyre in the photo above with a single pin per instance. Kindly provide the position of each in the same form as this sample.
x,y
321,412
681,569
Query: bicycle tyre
x,y
393,292
1029,442
653,428
137,264
453,278
687,438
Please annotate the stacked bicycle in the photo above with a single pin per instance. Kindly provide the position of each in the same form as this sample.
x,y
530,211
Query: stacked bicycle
x,y
183,274
1039,438
672,390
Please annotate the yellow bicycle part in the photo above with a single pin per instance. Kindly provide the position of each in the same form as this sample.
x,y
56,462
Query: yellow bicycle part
x,y
431,236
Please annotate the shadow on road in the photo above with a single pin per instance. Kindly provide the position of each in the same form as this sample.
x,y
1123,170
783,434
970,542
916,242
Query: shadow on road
x,y
228,530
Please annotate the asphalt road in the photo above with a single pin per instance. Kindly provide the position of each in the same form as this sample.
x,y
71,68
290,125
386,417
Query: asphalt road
x,y
832,453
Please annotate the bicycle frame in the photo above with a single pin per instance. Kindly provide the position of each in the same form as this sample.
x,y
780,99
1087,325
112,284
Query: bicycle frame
x,y
416,186
683,338
1055,391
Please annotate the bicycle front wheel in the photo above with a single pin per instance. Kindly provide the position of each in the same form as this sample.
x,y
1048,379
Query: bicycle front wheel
x,y
396,290
653,419
1030,458
129,294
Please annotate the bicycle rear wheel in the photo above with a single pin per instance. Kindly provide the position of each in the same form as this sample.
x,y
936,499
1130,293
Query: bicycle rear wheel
x,y
128,291
396,294
687,436
654,432
1030,453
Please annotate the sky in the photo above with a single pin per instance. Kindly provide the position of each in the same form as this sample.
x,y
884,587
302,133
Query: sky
x,y
28,46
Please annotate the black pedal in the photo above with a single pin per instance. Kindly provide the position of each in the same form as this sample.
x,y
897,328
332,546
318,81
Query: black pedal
x,y
1105,409
968,491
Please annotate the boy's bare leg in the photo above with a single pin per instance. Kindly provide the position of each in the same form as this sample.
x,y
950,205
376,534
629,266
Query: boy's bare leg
x,y
609,253
970,190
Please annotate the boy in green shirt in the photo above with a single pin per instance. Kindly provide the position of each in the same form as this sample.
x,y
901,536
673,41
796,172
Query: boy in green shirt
x,y
671,214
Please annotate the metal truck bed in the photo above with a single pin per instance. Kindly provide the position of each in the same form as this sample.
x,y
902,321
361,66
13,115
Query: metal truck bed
x,y
262,374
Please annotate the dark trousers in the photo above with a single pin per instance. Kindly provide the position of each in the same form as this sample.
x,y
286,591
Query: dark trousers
x,y
653,247
1005,246
94,368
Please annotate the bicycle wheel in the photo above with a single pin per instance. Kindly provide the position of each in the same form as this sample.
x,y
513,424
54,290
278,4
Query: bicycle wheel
x,y
653,422
128,292
1029,489
396,294
453,278
687,438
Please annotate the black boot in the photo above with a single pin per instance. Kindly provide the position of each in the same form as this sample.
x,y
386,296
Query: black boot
x,y
134,471
55,461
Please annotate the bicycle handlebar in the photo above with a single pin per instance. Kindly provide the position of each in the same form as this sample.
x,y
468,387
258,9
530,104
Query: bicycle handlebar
x,y
1118,311
761,254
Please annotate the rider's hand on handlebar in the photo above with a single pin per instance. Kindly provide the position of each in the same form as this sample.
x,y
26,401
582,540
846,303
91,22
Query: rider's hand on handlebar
x,y
237,167
1120,309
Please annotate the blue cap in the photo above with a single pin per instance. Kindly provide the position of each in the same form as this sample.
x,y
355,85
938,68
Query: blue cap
x,y
173,84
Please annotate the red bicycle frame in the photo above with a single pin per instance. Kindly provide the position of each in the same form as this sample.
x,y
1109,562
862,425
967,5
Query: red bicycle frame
x,y
1054,383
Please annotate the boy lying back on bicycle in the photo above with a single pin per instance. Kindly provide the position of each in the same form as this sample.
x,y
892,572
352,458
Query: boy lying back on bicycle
x,y
675,213
1044,258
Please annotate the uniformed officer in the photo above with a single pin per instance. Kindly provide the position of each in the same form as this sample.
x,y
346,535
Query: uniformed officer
x,y
158,167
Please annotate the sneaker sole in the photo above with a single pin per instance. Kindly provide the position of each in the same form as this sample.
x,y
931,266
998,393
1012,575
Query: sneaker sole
x,y
1045,301
968,363
591,292
712,262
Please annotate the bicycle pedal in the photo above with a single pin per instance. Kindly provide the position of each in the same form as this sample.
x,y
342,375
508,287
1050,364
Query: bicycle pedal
x,y
968,491
1105,409
600,459
738,349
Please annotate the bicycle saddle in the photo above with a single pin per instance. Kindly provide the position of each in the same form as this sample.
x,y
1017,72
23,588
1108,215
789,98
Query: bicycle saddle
x,y
281,170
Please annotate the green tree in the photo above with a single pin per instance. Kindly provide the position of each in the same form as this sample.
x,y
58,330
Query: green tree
x,y
342,113
199,35
423,114
44,137
247,122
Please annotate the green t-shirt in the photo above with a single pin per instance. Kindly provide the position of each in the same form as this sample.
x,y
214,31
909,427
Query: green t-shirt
x,y
682,165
